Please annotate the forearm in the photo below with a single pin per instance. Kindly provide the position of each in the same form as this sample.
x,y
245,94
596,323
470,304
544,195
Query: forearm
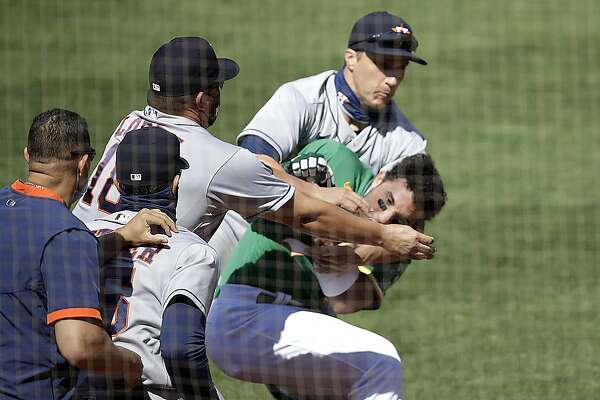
x,y
326,220
110,245
305,187
85,344
377,255
184,352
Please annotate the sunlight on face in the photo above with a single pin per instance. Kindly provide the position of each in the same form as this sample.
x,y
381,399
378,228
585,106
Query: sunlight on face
x,y
376,78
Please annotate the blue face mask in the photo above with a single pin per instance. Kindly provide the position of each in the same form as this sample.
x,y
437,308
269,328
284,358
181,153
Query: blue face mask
x,y
351,104
165,201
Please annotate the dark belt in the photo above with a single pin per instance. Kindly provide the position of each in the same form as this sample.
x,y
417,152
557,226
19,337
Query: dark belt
x,y
285,299
277,298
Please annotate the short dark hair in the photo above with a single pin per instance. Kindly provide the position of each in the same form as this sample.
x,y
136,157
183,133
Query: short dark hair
x,y
58,134
423,180
171,105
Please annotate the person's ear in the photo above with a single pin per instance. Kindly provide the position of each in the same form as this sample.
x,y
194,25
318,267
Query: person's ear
x,y
175,183
82,164
350,57
199,100
379,178
26,154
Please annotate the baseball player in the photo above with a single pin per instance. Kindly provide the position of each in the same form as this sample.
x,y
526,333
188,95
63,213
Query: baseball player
x,y
353,106
186,79
286,337
158,296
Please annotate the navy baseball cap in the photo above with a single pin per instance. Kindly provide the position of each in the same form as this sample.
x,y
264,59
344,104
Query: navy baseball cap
x,y
383,33
186,66
149,157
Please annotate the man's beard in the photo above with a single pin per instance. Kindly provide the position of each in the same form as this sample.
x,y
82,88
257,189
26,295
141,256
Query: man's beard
x,y
213,114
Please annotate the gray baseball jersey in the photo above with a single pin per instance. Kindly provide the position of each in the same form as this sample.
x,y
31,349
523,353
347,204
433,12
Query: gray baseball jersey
x,y
221,177
308,109
186,267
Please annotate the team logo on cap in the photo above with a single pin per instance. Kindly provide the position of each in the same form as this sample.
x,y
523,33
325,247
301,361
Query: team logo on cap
x,y
156,87
401,29
135,177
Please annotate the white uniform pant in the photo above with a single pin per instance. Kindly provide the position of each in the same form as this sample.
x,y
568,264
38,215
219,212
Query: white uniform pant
x,y
305,352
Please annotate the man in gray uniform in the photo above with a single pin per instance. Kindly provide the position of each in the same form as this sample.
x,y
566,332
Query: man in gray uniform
x,y
353,106
156,297
186,79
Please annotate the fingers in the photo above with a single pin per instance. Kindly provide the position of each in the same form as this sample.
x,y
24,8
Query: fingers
x,y
354,203
425,239
156,239
422,252
157,217
407,242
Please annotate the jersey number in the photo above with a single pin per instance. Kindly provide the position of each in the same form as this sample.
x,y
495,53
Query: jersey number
x,y
104,203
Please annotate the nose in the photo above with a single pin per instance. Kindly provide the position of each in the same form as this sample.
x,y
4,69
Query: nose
x,y
392,81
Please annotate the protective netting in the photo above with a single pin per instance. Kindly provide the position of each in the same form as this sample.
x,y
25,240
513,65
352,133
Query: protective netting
x,y
509,106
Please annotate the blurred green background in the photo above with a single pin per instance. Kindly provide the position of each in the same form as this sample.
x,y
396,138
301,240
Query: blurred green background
x,y
509,103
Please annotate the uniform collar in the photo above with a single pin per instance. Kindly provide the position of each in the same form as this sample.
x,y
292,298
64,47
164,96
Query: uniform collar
x,y
33,190
154,114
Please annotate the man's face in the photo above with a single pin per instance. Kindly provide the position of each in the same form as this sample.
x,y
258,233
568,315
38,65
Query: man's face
x,y
392,202
374,77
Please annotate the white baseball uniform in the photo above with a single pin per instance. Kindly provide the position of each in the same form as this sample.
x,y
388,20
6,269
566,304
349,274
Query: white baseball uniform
x,y
186,267
308,109
304,352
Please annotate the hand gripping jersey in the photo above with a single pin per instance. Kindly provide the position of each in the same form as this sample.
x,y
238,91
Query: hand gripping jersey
x,y
140,283
308,109
221,177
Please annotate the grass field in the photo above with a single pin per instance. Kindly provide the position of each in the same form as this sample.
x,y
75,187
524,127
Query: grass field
x,y
509,103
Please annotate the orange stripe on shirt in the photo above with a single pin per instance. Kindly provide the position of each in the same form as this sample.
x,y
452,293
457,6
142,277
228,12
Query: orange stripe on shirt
x,y
35,191
73,313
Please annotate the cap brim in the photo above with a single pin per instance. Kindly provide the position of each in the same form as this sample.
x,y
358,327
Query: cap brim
x,y
228,69
183,164
375,48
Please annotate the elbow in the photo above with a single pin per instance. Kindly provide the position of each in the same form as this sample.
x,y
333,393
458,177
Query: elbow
x,y
81,352
173,353
82,349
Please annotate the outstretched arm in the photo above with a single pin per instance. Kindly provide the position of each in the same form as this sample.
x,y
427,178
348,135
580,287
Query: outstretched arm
x,y
325,220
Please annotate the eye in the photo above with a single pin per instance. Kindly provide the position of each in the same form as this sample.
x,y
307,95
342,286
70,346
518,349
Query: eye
x,y
381,204
389,198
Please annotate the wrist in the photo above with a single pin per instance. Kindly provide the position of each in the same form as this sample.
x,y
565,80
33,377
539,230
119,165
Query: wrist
x,y
124,237
381,234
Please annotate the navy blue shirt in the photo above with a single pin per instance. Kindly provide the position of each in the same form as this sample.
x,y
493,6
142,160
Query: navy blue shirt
x,y
49,269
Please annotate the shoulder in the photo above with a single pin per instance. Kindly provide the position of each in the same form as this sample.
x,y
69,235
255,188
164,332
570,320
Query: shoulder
x,y
308,89
104,225
399,122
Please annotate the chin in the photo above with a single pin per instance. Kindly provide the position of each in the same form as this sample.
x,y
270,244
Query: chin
x,y
379,104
